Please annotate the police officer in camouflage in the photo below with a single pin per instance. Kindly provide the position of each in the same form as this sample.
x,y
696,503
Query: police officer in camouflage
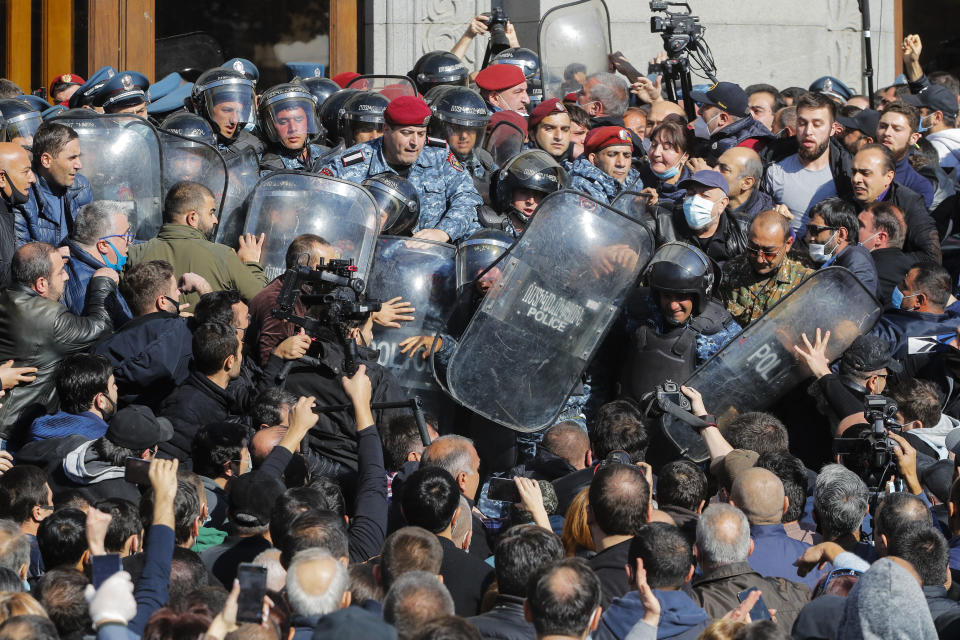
x,y
460,118
604,169
288,119
448,198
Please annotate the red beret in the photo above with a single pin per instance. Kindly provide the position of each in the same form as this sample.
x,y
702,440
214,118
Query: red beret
x,y
544,109
407,111
498,77
66,79
603,137
571,97
343,79
512,117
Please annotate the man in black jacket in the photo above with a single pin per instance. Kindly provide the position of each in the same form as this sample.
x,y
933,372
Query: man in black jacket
x,y
882,233
16,178
832,238
725,111
37,330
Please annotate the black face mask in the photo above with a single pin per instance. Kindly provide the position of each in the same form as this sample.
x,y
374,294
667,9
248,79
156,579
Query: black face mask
x,y
17,197
175,303
109,413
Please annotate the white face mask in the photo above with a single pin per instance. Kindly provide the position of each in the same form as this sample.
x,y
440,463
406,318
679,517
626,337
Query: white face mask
x,y
866,243
818,252
698,212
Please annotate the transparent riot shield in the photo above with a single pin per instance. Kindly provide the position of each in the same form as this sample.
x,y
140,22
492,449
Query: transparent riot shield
x,y
574,42
423,273
390,86
559,289
633,204
121,159
188,159
286,204
760,366
504,142
243,171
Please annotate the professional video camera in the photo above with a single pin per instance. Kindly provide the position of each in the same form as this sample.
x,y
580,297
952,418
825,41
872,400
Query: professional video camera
x,y
679,428
870,453
497,26
683,41
335,300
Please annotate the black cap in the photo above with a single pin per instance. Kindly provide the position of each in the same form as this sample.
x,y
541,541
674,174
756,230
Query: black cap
x,y
724,95
936,97
252,497
865,122
870,353
136,427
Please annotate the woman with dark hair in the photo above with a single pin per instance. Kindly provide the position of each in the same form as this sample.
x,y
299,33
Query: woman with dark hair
x,y
671,143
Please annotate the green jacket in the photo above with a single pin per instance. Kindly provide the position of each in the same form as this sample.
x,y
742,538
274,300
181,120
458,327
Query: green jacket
x,y
188,250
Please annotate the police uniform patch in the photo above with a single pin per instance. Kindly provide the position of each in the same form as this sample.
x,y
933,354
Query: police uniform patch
x,y
326,172
452,159
352,158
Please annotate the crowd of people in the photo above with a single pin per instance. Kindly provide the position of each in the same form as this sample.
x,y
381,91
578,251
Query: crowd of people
x,y
203,436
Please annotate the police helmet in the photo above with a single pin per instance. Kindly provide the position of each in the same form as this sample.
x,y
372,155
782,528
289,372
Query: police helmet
x,y
459,107
439,67
431,96
681,268
479,251
330,113
287,111
362,113
830,86
529,63
21,120
533,169
397,200
190,125
218,86
320,89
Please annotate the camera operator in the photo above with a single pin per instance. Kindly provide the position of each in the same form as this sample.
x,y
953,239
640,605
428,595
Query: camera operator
x,y
478,27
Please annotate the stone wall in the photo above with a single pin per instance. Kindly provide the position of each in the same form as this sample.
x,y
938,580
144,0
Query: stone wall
x,y
775,41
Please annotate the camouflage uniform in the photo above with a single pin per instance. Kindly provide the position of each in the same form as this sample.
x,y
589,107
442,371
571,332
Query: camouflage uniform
x,y
271,160
591,180
448,198
650,314
748,295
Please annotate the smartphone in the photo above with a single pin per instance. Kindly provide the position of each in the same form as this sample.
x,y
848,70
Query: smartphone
x,y
137,471
105,566
759,610
503,489
253,587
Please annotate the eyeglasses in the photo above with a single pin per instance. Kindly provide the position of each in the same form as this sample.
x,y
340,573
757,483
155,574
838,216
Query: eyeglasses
x,y
128,236
769,254
815,229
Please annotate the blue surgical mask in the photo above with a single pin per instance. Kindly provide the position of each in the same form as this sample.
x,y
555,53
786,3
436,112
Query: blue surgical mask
x,y
922,128
121,260
698,212
669,173
897,297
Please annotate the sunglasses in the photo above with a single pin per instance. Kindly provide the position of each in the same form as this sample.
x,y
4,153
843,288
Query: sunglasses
x,y
769,254
814,229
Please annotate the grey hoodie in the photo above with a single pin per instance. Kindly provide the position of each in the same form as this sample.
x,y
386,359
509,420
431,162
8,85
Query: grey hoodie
x,y
886,604
947,144
81,466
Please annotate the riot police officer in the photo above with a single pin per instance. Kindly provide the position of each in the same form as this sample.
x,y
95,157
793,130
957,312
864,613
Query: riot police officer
x,y
529,63
549,129
20,121
330,115
673,325
448,198
436,68
225,98
397,201
361,118
321,89
288,119
518,187
460,118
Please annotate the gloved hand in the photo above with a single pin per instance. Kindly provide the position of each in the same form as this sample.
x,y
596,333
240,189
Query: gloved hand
x,y
113,601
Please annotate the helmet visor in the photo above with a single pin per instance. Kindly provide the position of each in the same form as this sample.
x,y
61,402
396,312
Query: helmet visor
x,y
230,106
463,138
293,121
23,126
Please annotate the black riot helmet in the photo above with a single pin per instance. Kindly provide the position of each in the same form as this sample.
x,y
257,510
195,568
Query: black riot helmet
x,y
397,201
362,113
320,88
190,125
529,63
21,120
330,113
434,94
678,267
439,67
288,112
478,252
459,108
535,170
224,91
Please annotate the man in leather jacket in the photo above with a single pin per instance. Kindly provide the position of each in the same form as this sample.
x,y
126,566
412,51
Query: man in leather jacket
x,y
37,330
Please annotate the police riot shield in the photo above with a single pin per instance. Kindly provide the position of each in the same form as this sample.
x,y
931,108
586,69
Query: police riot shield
x,y
286,204
633,204
121,159
559,289
574,42
390,86
504,141
243,171
761,365
423,273
188,159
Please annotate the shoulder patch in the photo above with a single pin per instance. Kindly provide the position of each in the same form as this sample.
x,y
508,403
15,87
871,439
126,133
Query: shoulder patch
x,y
452,159
352,158
436,142
326,172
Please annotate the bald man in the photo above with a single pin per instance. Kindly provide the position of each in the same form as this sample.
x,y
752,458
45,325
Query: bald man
x,y
742,169
759,278
660,110
565,448
760,495
16,178
317,585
